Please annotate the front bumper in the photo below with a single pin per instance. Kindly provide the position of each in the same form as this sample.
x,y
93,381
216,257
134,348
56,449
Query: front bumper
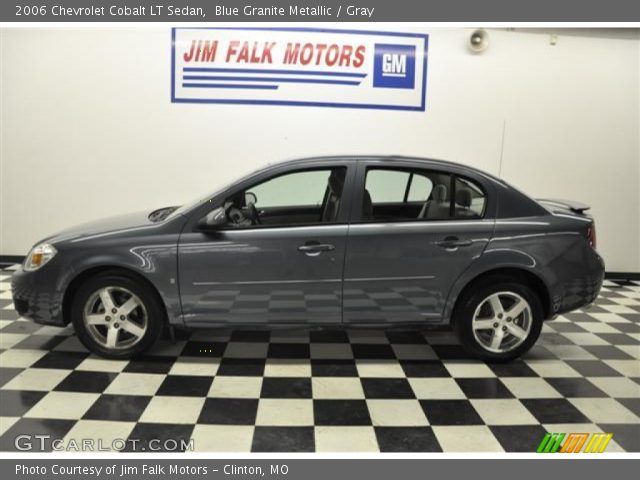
x,y
36,298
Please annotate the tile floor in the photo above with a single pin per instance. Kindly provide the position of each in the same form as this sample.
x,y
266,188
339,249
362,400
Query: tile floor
x,y
327,391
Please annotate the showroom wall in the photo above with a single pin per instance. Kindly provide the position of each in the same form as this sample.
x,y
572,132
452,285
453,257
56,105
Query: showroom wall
x,y
88,129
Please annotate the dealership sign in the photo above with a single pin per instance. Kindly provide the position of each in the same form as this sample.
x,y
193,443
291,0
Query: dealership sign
x,y
299,66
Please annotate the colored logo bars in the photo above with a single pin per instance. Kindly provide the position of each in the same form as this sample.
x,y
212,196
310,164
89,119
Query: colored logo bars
x,y
574,443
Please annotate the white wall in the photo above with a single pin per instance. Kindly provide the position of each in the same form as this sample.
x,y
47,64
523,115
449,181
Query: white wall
x,y
88,129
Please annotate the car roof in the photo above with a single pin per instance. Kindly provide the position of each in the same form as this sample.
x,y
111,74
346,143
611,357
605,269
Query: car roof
x,y
359,158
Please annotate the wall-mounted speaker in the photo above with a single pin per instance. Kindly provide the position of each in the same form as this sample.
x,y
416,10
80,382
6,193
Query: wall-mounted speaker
x,y
478,41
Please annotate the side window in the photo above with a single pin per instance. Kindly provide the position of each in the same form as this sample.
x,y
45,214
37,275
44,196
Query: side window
x,y
420,188
299,189
406,194
387,186
298,198
470,199
397,194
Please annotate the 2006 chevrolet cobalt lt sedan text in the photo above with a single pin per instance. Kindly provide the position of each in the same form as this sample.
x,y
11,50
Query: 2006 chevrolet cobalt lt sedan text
x,y
325,242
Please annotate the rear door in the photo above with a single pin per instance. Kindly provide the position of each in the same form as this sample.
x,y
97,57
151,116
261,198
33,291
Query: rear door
x,y
414,230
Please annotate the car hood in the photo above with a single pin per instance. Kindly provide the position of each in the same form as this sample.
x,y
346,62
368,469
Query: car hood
x,y
112,225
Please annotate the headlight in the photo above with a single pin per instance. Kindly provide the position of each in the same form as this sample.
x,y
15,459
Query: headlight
x,y
38,256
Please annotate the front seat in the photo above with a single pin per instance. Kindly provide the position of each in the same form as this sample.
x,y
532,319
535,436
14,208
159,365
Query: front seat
x,y
438,205
336,184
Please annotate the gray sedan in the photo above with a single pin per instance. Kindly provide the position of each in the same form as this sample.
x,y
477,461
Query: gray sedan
x,y
387,242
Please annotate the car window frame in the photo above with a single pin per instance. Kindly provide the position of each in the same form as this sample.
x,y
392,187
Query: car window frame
x,y
452,199
266,174
261,182
360,185
407,187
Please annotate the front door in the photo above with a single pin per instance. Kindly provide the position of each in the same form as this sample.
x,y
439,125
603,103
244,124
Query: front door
x,y
416,232
279,259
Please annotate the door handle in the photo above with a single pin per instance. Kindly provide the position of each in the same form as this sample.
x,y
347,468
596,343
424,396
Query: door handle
x,y
451,243
314,248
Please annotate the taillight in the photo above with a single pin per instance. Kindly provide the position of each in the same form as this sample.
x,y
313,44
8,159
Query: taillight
x,y
591,235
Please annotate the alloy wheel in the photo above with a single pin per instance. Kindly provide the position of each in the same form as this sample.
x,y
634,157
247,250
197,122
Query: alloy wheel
x,y
115,318
502,322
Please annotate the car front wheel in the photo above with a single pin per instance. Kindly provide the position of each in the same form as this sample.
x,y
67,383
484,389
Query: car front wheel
x,y
499,321
116,316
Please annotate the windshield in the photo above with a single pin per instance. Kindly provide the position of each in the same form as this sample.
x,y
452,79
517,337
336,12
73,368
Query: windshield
x,y
181,210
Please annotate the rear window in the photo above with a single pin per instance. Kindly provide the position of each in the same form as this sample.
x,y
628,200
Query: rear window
x,y
400,194
470,200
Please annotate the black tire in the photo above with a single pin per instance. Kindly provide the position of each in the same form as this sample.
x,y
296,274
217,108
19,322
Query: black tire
x,y
145,293
477,294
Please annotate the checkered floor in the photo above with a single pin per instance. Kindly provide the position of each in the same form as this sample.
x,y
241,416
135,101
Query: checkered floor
x,y
328,390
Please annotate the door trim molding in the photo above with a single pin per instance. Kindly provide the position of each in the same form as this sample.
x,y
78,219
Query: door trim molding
x,y
374,279
268,282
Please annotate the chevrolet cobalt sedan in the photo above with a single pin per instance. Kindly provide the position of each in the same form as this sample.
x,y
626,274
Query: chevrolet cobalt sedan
x,y
324,242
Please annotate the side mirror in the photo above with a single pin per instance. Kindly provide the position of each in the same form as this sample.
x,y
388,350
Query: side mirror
x,y
250,198
213,220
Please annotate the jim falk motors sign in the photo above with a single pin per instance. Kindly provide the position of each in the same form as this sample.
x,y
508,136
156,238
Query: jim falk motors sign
x,y
299,66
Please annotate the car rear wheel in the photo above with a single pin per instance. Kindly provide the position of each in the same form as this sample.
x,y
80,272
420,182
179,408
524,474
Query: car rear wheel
x,y
498,320
116,316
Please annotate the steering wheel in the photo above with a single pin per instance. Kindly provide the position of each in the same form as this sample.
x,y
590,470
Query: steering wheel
x,y
236,217
253,211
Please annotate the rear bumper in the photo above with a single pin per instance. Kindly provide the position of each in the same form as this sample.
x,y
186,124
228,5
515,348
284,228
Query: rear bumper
x,y
582,290
36,298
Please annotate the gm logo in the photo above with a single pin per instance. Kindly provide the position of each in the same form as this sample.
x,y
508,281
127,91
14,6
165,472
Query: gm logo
x,y
394,66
